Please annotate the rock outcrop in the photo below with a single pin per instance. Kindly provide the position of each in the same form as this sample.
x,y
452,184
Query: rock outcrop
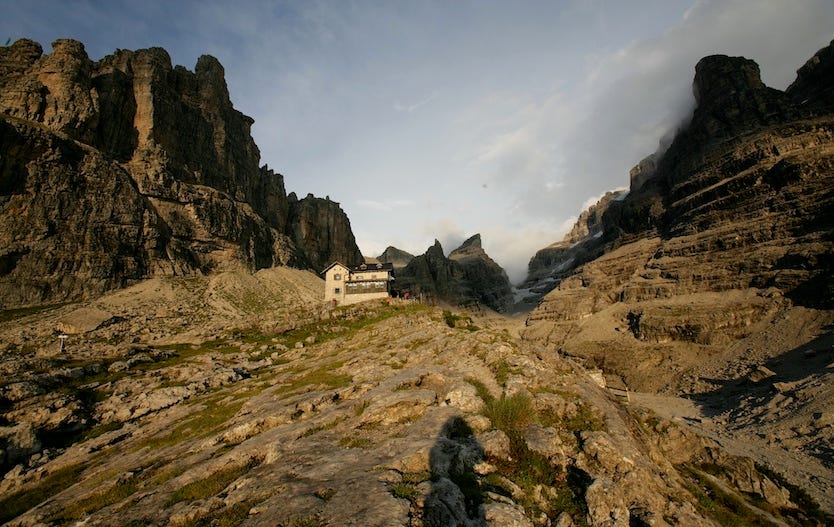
x,y
126,168
467,276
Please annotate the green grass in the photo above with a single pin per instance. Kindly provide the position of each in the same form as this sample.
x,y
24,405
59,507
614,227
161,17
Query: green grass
x,y
803,501
405,491
354,442
230,516
212,485
480,389
201,424
17,503
81,508
510,414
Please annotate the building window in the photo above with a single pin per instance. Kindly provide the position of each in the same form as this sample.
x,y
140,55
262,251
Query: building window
x,y
337,276
337,291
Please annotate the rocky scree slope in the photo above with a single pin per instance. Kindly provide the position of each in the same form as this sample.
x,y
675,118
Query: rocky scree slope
x,y
716,277
127,168
467,277
370,415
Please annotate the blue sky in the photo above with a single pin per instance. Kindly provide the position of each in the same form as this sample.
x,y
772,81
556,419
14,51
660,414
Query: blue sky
x,y
441,119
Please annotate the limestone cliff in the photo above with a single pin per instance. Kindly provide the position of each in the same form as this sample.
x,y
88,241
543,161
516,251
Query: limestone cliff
x,y
735,224
467,276
125,168
321,227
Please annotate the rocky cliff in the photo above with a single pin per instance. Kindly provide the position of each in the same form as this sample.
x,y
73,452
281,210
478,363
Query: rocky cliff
x,y
715,277
467,276
125,168
323,230
583,243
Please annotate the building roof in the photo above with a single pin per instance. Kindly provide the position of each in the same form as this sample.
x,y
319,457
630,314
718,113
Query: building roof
x,y
364,268
368,267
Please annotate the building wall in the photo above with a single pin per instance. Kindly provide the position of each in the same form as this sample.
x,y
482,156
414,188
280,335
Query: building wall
x,y
337,277
361,297
334,288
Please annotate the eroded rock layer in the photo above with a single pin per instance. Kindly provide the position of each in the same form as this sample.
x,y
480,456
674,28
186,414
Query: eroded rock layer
x,y
736,224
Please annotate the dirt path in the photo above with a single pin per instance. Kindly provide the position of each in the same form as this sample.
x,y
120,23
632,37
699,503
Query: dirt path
x,y
798,468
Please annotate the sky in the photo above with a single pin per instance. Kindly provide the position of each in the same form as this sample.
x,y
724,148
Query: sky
x,y
441,119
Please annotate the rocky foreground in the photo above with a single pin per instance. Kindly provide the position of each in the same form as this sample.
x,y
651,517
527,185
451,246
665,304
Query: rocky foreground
x,y
239,399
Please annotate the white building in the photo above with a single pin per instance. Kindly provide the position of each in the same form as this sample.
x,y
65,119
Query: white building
x,y
348,285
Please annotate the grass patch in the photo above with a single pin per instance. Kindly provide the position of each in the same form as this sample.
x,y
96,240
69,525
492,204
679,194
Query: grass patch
x,y
510,414
529,470
807,508
81,508
321,428
15,504
502,371
354,442
212,485
480,389
322,375
405,491
230,516
200,424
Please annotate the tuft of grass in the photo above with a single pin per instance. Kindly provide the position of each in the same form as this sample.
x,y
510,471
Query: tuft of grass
x,y
17,503
212,485
405,491
320,428
480,389
510,414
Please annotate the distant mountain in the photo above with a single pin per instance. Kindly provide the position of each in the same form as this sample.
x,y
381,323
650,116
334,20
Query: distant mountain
x,y
467,276
397,257
125,168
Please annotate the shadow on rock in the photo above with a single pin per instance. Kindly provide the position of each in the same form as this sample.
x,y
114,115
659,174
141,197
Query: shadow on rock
x,y
456,498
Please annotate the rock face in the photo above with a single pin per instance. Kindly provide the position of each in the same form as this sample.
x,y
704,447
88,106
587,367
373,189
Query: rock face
x,y
323,230
467,276
733,230
397,257
126,168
